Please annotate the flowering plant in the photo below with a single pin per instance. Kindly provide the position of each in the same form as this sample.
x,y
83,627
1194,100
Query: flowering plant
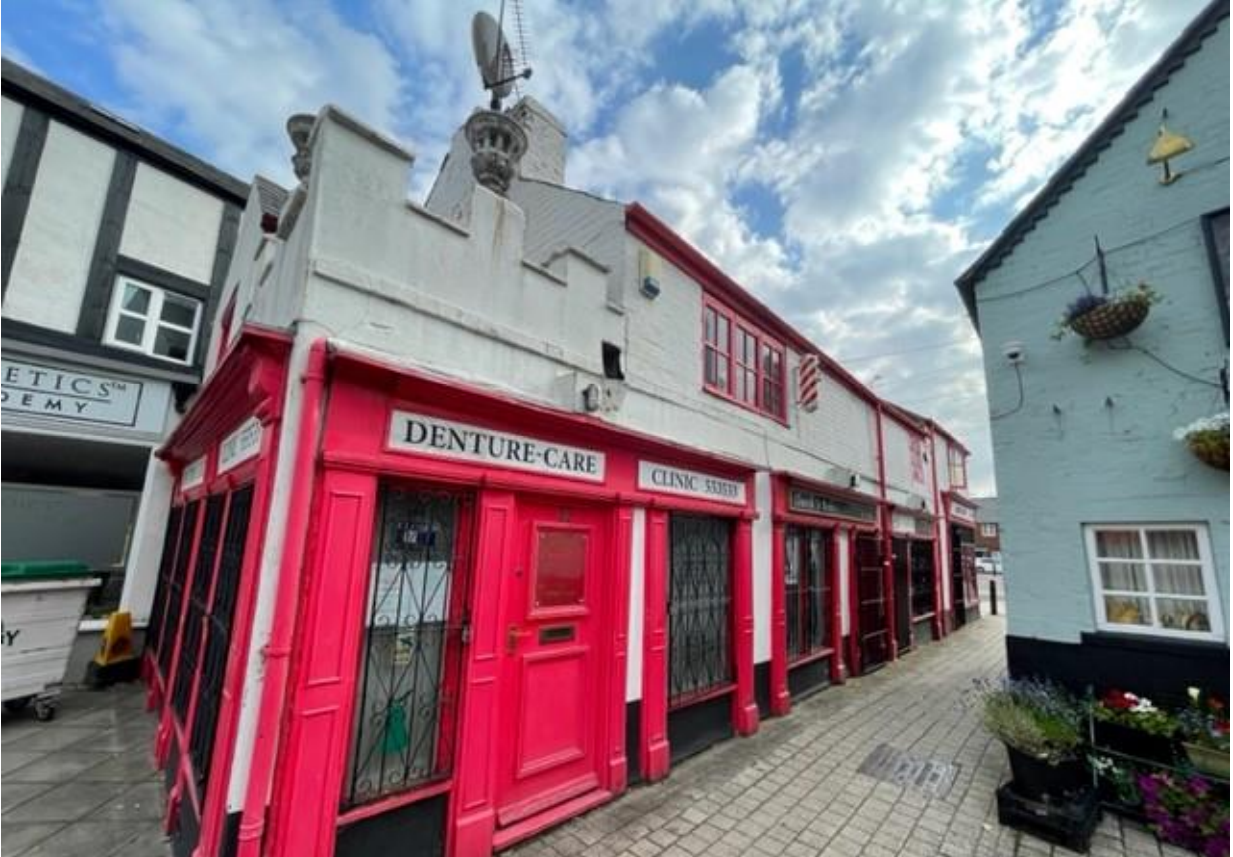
x,y
1208,438
1037,718
1085,303
1205,721
1137,712
1122,779
1186,811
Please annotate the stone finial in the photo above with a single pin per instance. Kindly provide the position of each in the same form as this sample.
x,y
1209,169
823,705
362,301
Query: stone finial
x,y
497,144
299,128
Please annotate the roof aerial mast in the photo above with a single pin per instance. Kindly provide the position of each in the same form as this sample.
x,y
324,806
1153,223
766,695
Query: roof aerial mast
x,y
494,56
497,141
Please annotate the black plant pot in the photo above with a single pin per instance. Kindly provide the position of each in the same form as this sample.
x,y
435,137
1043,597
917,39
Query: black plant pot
x,y
1037,779
1135,742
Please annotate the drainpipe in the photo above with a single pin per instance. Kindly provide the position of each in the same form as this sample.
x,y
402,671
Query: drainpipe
x,y
888,576
278,648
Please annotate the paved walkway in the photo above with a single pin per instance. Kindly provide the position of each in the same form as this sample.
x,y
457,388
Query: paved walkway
x,y
82,784
793,789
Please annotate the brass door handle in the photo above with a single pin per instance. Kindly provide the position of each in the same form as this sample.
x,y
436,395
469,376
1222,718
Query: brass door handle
x,y
512,635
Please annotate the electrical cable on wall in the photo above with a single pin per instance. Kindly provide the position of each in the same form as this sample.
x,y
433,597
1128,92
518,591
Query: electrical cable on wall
x,y
1019,404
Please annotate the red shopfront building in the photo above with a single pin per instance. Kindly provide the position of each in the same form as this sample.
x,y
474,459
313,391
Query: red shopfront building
x,y
449,650
965,592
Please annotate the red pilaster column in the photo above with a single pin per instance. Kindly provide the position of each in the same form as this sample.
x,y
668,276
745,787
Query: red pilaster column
x,y
781,701
655,751
618,592
888,582
744,706
854,611
837,670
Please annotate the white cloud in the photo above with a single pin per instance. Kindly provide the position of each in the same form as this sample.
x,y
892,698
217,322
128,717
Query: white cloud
x,y
227,73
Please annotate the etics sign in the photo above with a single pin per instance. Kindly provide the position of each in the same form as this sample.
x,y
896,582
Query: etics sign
x,y
80,397
442,438
689,483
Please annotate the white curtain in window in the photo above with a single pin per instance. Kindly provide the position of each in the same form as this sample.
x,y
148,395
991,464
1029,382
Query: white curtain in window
x,y
1118,544
1123,576
1173,544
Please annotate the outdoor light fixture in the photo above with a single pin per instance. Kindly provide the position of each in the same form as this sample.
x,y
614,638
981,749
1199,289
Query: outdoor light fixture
x,y
648,271
1168,145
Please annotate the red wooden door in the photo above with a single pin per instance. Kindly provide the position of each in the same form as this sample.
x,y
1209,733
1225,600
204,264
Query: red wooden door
x,y
554,699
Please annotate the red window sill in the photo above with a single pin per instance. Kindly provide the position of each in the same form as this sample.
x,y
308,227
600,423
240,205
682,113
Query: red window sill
x,y
745,406
810,657
389,802
701,696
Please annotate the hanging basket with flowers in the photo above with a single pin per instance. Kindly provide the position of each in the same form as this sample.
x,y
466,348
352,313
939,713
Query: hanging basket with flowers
x,y
1208,439
1107,316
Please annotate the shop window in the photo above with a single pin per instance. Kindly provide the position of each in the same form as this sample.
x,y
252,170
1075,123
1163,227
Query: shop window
x,y
741,363
218,632
923,579
1154,580
699,607
162,589
153,321
197,607
808,594
402,735
166,637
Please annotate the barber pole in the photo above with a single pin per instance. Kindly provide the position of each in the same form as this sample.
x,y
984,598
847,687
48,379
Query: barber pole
x,y
807,383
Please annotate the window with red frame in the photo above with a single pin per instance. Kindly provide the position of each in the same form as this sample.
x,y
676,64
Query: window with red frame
x,y
741,363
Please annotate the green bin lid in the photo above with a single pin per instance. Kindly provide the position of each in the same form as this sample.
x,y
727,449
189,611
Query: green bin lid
x,y
15,572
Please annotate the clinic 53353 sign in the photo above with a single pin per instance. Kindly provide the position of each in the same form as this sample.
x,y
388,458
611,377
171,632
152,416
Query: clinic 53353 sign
x,y
448,439
689,483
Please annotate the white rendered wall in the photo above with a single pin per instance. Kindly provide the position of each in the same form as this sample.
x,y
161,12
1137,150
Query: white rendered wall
x,y
10,123
141,570
172,225
637,606
763,544
49,273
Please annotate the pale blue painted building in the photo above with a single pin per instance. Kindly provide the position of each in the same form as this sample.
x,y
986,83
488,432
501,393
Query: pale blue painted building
x,y
1115,538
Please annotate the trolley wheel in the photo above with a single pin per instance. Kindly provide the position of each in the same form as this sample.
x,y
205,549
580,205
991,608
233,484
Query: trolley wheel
x,y
13,706
44,710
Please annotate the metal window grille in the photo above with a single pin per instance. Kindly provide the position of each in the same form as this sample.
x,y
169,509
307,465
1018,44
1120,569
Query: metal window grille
x,y
158,609
407,695
807,590
198,603
219,625
699,607
175,589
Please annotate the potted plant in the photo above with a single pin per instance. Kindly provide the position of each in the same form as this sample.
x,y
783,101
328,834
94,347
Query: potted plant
x,y
1208,439
1132,725
1118,785
1039,723
1186,811
1204,728
1107,316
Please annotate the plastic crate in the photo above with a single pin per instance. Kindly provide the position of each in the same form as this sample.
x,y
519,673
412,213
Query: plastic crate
x,y
1068,824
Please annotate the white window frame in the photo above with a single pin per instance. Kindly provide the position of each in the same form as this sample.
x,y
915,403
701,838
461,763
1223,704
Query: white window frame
x,y
1211,591
989,531
152,320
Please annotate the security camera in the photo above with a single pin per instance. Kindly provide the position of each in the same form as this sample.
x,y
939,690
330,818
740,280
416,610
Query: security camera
x,y
1014,352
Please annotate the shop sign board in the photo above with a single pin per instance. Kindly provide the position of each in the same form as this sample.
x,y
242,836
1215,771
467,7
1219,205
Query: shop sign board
x,y
961,512
917,525
193,474
241,445
426,435
90,398
812,503
690,483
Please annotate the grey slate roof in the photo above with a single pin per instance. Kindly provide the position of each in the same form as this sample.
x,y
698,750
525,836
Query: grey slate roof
x,y
1073,169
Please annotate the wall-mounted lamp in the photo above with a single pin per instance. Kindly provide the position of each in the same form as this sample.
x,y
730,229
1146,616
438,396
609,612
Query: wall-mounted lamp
x,y
1168,145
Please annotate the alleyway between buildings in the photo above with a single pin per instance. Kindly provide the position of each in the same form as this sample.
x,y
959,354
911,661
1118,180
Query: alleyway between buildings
x,y
794,790
82,784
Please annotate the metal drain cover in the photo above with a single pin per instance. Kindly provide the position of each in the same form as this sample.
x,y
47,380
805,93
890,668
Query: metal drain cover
x,y
891,765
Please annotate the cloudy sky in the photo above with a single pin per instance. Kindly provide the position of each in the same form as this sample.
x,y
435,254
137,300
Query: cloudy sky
x,y
845,159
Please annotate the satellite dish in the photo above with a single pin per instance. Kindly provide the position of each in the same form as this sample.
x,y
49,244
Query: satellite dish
x,y
494,57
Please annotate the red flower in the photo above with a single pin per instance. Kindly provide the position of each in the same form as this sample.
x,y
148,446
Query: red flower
x,y
1117,699
1215,704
